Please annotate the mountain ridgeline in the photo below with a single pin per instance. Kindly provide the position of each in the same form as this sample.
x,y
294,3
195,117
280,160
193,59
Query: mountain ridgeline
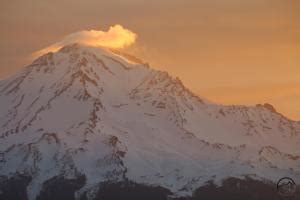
x,y
90,123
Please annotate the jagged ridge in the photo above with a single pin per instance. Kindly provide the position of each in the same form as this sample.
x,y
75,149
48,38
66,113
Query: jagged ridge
x,y
90,112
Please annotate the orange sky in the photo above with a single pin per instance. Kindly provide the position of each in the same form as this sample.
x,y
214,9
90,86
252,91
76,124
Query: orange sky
x,y
229,51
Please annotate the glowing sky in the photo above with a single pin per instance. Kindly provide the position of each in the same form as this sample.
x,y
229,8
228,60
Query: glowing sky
x,y
229,51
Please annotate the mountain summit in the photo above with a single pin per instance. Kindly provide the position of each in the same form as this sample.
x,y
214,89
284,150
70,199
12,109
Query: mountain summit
x,y
87,116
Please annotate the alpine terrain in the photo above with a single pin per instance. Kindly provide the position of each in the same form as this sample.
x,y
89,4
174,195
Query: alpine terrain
x,y
93,123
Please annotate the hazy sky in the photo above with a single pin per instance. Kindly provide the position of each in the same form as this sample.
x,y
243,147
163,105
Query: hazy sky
x,y
229,51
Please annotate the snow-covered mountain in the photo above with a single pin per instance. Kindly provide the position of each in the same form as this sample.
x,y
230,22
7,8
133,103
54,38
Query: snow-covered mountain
x,y
101,116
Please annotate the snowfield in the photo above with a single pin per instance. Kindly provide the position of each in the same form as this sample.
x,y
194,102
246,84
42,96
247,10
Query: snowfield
x,y
92,112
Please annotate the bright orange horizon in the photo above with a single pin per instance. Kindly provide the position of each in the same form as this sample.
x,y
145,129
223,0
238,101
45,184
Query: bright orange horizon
x,y
231,52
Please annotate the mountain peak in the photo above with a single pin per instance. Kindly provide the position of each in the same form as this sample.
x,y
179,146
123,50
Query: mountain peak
x,y
100,51
90,112
83,54
267,106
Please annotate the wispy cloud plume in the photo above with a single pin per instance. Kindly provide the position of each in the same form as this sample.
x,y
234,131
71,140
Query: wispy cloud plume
x,y
117,37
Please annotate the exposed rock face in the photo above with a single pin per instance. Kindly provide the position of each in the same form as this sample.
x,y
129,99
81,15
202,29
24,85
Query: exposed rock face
x,y
59,188
268,106
14,188
88,122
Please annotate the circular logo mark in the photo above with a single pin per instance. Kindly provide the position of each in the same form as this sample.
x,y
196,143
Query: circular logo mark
x,y
286,187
